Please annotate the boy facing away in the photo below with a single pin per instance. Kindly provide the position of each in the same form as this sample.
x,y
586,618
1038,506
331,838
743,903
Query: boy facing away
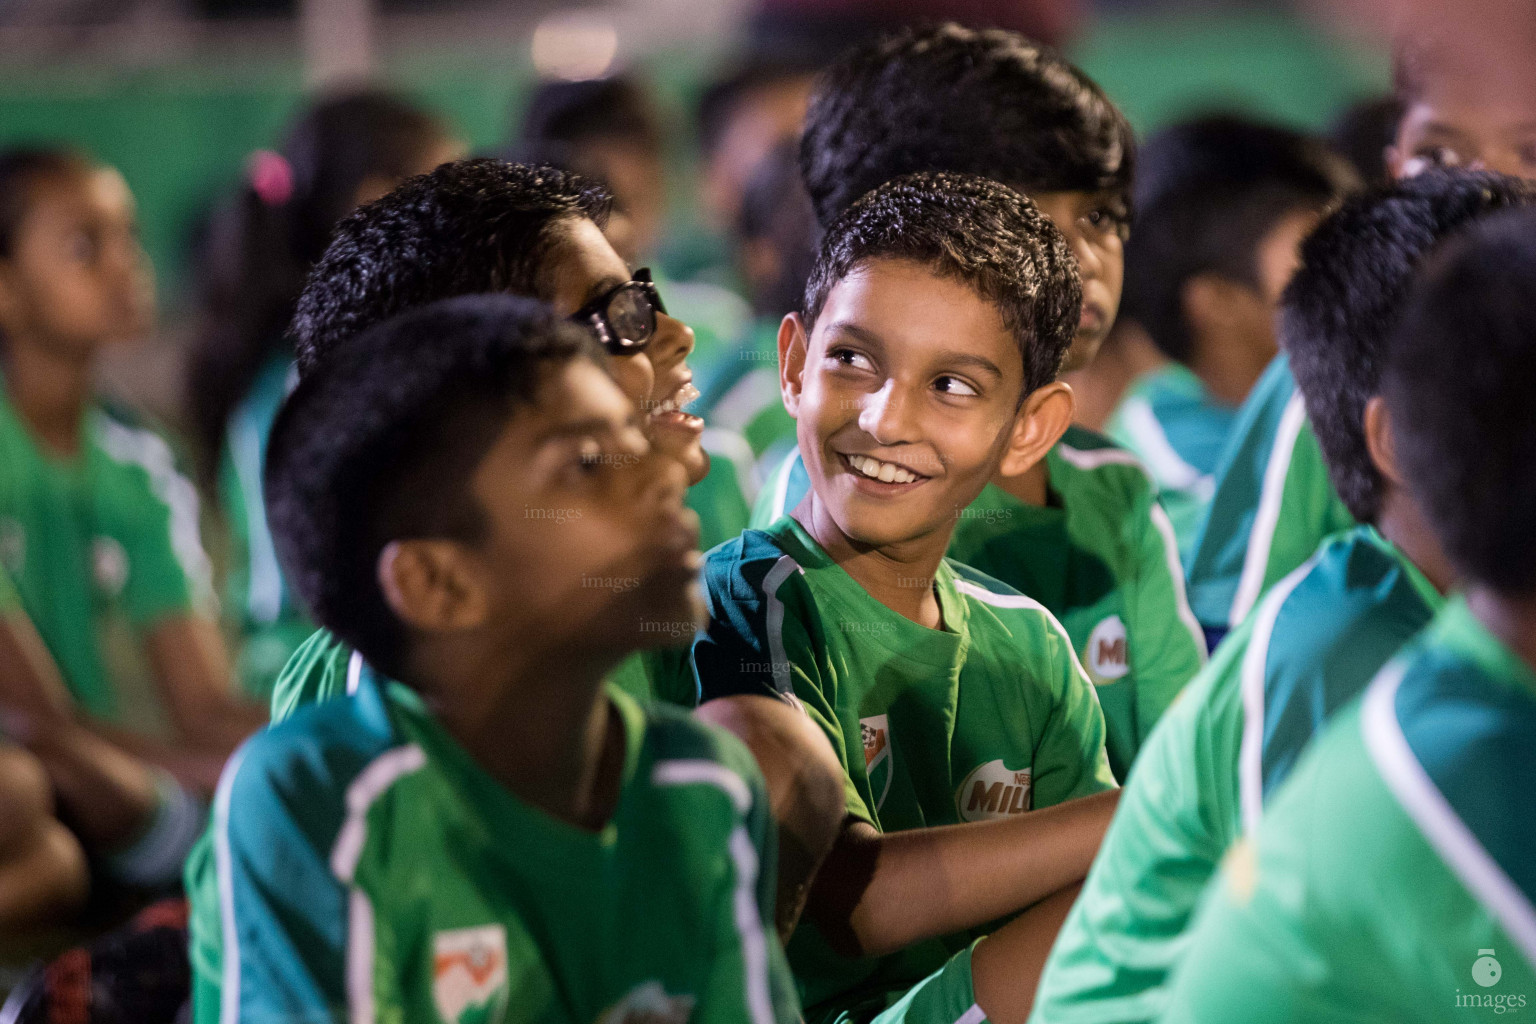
x,y
1080,530
1273,501
1391,877
935,319
490,832
1312,644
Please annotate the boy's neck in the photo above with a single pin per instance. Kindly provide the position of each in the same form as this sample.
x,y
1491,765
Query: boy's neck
x,y
537,721
1032,487
1511,619
899,576
1401,521
49,391
1228,370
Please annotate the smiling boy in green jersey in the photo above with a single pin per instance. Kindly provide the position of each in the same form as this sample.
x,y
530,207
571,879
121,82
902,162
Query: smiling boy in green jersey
x,y
1392,876
1222,204
1313,643
498,835
1273,501
935,319
1081,531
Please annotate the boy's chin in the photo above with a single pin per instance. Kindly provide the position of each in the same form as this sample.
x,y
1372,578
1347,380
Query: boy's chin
x,y
880,525
669,618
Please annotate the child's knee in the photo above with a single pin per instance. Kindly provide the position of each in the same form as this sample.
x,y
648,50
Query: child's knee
x,y
26,798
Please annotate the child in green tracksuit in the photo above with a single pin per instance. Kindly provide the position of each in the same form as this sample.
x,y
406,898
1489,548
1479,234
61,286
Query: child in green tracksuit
x,y
935,319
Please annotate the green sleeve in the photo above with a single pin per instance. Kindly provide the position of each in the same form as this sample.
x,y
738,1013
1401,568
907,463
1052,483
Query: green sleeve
x,y
10,601
1310,510
758,827
1070,759
316,672
1167,644
205,938
169,570
291,914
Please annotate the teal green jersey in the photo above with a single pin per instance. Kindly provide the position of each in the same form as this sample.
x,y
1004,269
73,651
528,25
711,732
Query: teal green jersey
x,y
1170,421
1102,557
265,612
989,716
1311,646
1272,506
369,869
746,431
1392,876
100,546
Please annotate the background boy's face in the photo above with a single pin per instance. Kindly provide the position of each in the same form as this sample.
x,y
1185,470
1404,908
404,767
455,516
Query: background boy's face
x,y
588,537
1092,222
77,276
911,378
1465,120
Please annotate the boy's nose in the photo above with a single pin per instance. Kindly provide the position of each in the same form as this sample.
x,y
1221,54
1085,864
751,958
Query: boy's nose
x,y
673,342
1089,262
886,415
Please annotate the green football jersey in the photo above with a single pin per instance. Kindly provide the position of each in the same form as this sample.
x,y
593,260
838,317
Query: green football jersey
x,y
989,716
1102,557
1272,506
1392,876
10,601
369,869
1169,420
99,546
265,612
1313,644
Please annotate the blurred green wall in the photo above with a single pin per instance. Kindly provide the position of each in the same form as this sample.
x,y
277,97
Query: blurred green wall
x,y
181,135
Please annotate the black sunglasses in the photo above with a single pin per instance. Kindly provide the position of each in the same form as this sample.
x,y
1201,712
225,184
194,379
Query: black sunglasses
x,y
624,317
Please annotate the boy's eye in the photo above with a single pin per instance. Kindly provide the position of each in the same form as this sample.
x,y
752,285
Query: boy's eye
x,y
851,359
954,386
1108,220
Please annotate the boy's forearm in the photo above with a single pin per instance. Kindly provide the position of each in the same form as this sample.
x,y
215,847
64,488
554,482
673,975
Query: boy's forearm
x,y
877,893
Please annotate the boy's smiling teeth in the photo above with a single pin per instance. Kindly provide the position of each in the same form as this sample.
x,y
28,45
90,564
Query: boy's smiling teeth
x,y
885,472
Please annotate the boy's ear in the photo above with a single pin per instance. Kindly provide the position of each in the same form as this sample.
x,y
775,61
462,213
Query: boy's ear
x,y
1043,418
1379,441
793,345
432,586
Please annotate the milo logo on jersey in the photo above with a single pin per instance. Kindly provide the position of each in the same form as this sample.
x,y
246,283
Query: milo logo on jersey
x,y
993,790
649,1004
1106,656
469,974
876,734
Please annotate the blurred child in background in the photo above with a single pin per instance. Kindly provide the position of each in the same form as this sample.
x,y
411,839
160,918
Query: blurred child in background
x,y
1273,502
1221,205
338,154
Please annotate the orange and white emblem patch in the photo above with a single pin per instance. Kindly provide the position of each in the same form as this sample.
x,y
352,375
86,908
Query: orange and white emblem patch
x,y
469,973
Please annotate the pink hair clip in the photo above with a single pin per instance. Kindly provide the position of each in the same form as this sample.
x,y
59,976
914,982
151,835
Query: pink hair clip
x,y
270,176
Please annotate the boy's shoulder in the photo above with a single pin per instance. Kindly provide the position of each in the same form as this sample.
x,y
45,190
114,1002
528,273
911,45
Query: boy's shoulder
x,y
1091,472
755,565
307,769
1018,620
673,734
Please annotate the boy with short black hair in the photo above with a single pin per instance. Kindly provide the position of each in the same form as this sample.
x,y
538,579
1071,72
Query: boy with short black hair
x,y
935,319
1310,646
1391,876
1081,530
1273,502
499,763
1222,204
